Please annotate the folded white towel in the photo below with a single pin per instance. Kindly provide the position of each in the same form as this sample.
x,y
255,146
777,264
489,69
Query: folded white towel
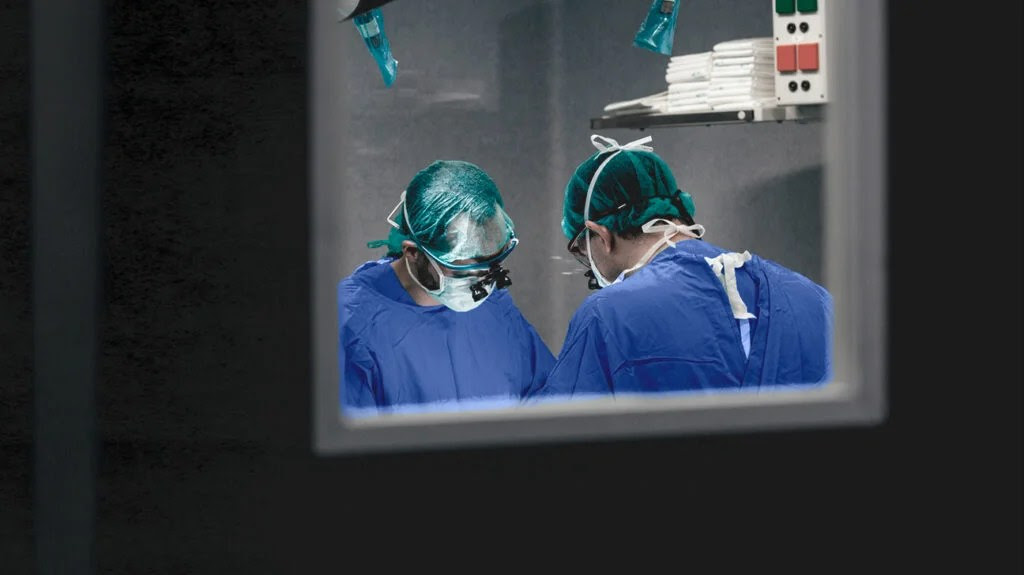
x,y
700,54
728,76
687,67
739,101
683,77
761,53
689,64
624,106
728,73
693,64
682,107
744,60
737,97
725,90
634,112
643,112
701,62
718,99
743,43
756,65
650,101
737,83
765,103
650,106
685,109
763,86
743,100
745,80
695,94
684,69
759,62
679,93
697,57
691,85
756,51
768,66
741,93
694,99
688,87
765,92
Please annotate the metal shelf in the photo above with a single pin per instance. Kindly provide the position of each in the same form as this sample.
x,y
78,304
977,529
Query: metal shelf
x,y
799,114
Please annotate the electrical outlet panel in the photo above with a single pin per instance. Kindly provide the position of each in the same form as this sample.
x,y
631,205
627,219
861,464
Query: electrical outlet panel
x,y
801,50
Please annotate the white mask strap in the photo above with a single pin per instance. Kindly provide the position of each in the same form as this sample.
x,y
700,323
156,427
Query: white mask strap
x,y
668,230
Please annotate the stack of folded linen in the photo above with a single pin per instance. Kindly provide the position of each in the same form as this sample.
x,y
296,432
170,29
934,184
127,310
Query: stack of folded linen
x,y
688,78
742,74
653,104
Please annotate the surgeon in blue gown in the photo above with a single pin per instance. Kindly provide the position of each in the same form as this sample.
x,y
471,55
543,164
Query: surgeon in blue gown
x,y
430,326
675,313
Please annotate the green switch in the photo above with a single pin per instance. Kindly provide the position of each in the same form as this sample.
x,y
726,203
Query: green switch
x,y
806,5
784,6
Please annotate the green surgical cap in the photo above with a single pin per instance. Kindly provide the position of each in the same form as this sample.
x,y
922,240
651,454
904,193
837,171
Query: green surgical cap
x,y
454,211
638,178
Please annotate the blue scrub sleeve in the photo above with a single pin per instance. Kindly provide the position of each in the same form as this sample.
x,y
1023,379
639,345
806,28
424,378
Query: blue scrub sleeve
x,y
358,376
584,366
537,358
542,360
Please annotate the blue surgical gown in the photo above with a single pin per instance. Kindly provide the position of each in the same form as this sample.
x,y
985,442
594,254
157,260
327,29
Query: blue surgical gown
x,y
669,328
395,355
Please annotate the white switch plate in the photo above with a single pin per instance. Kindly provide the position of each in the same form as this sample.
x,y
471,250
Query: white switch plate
x,y
816,32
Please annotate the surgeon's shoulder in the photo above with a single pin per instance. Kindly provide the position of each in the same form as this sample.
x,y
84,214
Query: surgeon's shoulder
x,y
356,290
796,281
501,302
595,304
351,287
503,308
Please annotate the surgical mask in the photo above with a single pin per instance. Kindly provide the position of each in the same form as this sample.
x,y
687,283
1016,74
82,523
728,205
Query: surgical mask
x,y
453,293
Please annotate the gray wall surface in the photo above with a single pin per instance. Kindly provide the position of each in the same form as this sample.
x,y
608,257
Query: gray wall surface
x,y
512,85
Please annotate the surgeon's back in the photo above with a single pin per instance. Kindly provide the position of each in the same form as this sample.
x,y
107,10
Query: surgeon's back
x,y
669,328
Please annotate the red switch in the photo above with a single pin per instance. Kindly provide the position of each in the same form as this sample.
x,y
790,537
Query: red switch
x,y
785,58
807,56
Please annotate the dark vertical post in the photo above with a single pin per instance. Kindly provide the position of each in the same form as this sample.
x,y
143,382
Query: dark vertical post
x,y
66,132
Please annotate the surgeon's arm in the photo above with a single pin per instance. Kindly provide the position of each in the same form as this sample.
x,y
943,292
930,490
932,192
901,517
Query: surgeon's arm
x,y
358,377
583,367
537,358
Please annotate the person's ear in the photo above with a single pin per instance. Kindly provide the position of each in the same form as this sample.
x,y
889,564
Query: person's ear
x,y
606,236
410,250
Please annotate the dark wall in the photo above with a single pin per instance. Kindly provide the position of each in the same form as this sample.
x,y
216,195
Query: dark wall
x,y
205,460
15,316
